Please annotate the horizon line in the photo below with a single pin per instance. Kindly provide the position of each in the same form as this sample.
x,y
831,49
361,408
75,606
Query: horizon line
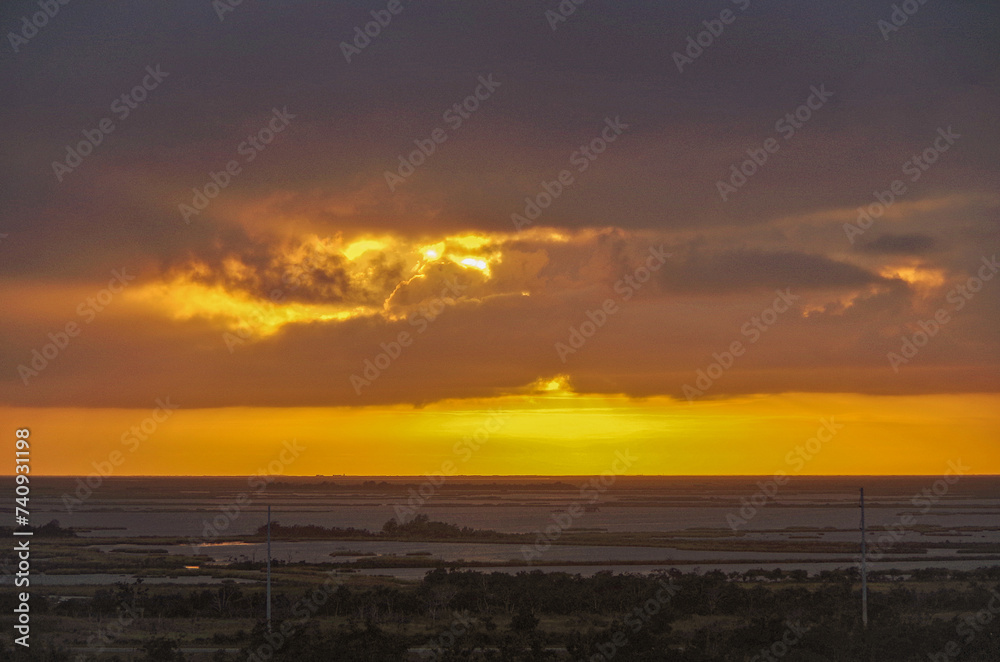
x,y
979,475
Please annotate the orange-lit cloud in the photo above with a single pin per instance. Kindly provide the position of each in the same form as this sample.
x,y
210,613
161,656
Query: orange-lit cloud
x,y
306,269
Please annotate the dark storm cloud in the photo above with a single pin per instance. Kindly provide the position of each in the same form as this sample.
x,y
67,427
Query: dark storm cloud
x,y
355,119
900,244
324,175
259,269
746,269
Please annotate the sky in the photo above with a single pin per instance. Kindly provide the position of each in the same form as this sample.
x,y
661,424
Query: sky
x,y
728,237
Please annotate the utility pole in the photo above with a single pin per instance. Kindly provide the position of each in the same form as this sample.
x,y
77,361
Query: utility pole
x,y
269,568
864,565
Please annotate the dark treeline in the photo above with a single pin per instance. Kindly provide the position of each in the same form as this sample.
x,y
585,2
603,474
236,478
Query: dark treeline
x,y
468,615
50,530
419,527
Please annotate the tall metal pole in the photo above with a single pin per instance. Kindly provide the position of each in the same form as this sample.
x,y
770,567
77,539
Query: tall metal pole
x,y
269,568
864,565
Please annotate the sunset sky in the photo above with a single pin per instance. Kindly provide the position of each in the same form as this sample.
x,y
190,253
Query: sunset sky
x,y
572,267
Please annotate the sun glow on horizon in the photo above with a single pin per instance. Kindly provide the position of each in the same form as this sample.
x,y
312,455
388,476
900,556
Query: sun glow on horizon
x,y
551,431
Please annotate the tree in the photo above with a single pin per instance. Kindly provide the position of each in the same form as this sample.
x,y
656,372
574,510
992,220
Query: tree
x,y
524,620
161,649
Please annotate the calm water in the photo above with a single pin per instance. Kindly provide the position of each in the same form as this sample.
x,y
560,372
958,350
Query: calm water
x,y
806,510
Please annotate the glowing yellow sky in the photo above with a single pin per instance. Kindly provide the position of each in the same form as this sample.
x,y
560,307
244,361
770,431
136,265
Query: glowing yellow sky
x,y
550,431
379,321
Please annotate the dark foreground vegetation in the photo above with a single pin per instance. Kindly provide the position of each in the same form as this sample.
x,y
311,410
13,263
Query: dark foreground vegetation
x,y
468,615
50,530
420,527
